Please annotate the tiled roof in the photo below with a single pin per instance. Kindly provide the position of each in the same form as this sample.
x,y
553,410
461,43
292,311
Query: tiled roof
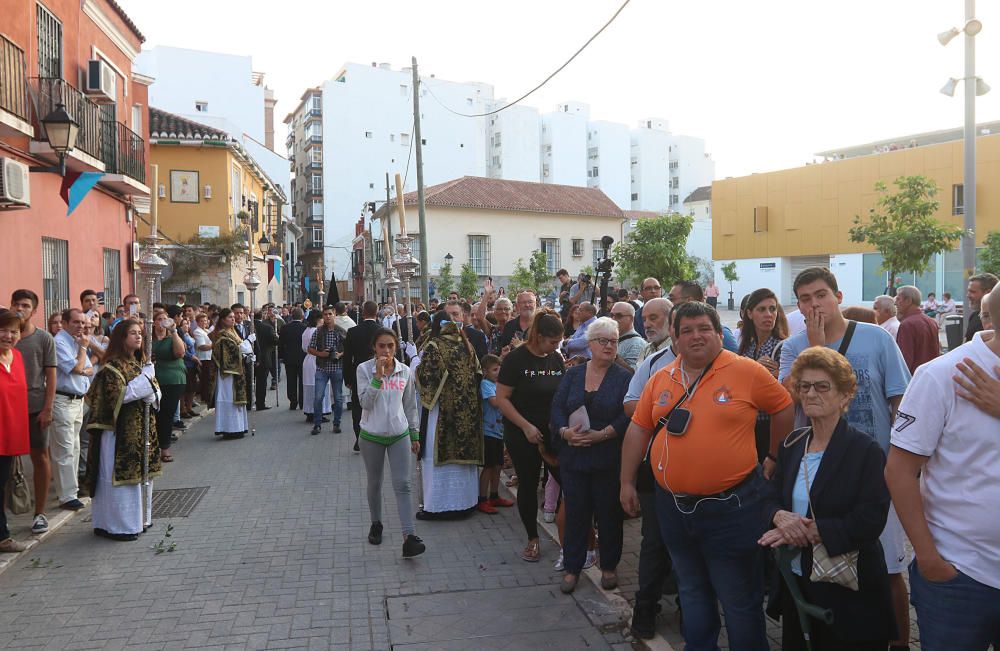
x,y
128,21
644,214
498,194
168,125
704,193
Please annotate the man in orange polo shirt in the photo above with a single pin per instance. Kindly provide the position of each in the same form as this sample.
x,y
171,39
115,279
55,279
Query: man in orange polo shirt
x,y
704,461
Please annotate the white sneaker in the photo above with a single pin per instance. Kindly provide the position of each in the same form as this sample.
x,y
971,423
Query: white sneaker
x,y
40,524
559,567
549,516
591,559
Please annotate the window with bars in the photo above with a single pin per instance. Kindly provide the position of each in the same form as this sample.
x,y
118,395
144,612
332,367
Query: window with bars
x,y
479,254
550,247
50,44
577,248
112,279
598,252
55,274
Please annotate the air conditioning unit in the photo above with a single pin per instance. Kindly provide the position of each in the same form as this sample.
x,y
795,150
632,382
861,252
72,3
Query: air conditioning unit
x,y
101,82
15,189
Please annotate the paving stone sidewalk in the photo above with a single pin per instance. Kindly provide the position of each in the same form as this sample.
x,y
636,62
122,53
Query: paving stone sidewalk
x,y
275,556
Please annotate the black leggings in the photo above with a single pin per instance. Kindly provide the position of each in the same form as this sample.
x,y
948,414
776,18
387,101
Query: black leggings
x,y
528,466
5,463
169,399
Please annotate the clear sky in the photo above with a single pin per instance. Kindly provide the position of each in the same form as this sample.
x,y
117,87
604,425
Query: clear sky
x,y
765,83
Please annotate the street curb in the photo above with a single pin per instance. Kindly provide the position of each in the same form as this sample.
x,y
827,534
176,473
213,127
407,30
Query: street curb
x,y
55,523
615,597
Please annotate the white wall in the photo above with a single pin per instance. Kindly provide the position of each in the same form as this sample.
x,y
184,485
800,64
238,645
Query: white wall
x,y
609,149
564,146
752,277
185,76
515,143
849,270
699,241
650,171
694,169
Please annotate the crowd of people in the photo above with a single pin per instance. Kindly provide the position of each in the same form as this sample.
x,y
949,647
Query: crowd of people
x,y
634,404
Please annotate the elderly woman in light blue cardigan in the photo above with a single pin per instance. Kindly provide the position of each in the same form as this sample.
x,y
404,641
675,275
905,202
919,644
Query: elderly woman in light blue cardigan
x,y
590,452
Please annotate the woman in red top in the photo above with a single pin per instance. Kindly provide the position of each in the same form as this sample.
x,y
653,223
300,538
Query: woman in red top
x,y
13,414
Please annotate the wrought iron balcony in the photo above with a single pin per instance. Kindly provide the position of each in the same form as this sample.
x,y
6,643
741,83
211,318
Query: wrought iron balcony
x,y
121,150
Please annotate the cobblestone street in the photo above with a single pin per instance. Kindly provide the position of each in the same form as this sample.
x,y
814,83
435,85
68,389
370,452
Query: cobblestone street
x,y
275,556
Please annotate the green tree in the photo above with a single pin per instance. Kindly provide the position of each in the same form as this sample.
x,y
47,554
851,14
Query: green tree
x,y
991,254
903,228
468,282
538,266
655,248
729,273
446,281
520,279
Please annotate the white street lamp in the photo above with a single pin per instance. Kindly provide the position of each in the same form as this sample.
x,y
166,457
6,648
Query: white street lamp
x,y
970,28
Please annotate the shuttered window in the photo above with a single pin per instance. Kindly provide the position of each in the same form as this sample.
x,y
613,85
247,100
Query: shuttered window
x,y
55,274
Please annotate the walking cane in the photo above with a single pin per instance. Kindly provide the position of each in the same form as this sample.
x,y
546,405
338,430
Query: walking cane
x,y
784,556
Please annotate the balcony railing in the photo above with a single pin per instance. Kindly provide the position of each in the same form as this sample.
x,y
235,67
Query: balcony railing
x,y
13,82
120,149
123,151
53,91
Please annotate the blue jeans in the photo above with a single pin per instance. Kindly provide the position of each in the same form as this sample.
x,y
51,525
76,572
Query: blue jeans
x,y
717,560
336,380
958,615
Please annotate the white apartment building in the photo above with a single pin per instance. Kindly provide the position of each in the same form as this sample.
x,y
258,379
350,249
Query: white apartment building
x,y
347,133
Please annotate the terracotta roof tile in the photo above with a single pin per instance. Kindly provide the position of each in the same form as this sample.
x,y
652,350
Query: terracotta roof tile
x,y
704,193
644,214
169,125
128,21
498,194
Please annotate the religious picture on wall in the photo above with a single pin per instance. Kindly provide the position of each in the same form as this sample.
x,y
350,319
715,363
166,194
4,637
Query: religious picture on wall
x,y
183,186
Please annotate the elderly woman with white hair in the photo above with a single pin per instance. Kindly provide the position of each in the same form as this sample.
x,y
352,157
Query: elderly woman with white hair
x,y
588,423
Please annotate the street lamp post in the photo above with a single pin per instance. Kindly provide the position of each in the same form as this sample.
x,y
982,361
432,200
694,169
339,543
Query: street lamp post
x,y
61,131
151,267
251,281
973,86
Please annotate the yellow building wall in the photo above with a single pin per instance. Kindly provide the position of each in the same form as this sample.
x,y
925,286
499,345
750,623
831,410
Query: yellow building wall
x,y
180,221
811,209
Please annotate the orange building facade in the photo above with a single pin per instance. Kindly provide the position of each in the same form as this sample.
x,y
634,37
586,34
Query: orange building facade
x,y
77,53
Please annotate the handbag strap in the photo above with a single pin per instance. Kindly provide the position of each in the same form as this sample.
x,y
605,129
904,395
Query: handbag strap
x,y
846,341
805,472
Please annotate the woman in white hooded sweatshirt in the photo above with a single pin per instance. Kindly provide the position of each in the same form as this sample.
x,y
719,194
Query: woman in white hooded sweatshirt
x,y
390,424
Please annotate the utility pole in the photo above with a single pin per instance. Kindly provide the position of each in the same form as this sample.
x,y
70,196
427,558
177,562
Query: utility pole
x,y
424,295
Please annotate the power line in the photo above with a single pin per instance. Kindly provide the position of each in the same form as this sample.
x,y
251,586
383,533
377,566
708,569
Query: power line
x,y
545,81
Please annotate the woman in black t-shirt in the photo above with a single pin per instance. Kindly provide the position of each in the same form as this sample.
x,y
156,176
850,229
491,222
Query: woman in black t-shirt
x,y
529,378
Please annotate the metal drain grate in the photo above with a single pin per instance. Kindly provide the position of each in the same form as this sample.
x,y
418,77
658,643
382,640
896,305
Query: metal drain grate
x,y
177,502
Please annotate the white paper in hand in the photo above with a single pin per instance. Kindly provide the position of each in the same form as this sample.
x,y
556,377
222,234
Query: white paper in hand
x,y
580,418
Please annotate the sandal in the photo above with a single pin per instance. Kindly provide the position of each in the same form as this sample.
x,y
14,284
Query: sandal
x,y
531,553
166,457
512,482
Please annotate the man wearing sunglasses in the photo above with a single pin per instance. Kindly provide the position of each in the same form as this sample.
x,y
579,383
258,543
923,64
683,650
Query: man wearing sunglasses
x,y
703,410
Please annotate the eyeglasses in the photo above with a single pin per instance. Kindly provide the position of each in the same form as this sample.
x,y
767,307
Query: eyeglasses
x,y
619,315
821,387
604,342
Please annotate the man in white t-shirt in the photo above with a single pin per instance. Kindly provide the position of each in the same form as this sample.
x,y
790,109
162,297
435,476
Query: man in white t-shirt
x,y
796,322
944,475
